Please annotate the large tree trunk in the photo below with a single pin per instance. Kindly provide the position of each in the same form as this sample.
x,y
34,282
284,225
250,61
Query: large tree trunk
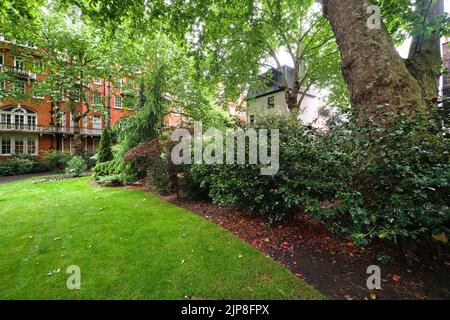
x,y
424,58
372,68
78,146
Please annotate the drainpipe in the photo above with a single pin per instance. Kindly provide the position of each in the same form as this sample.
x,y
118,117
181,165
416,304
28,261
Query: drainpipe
x,y
51,123
109,102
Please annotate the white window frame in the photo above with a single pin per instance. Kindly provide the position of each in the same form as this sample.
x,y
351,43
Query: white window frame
x,y
97,81
34,96
118,105
15,87
25,139
19,59
97,94
19,111
77,95
38,66
97,124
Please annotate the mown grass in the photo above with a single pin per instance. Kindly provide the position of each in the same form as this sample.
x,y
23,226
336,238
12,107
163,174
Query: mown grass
x,y
129,244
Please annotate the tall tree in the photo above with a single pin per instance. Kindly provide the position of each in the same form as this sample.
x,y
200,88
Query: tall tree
x,y
74,56
373,69
235,45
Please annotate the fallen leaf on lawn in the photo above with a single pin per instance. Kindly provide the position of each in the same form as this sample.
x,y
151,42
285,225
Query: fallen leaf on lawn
x,y
182,261
240,256
57,238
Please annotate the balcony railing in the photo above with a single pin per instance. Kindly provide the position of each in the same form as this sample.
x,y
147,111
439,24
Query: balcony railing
x,y
47,129
19,72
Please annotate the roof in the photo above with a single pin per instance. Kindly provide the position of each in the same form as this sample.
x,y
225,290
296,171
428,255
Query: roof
x,y
270,87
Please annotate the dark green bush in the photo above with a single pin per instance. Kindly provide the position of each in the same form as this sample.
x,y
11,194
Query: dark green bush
x,y
76,167
303,174
109,181
57,160
22,164
363,181
400,183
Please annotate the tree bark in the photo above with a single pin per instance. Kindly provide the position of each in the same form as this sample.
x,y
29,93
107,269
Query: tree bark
x,y
78,148
424,58
372,68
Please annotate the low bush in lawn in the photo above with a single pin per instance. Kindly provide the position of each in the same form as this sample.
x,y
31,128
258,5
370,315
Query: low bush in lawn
x,y
109,181
22,164
76,167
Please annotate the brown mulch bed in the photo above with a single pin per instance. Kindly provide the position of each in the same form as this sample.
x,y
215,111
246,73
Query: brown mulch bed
x,y
335,266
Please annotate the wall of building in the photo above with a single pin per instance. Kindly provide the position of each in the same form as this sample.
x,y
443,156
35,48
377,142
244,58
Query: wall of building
x,y
258,106
43,106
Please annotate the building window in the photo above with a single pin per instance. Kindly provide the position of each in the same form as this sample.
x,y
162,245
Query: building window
x,y
97,81
98,99
271,102
95,144
6,119
38,66
19,146
2,59
252,119
36,92
97,122
18,118
19,87
76,95
6,145
118,102
62,121
31,146
118,83
19,64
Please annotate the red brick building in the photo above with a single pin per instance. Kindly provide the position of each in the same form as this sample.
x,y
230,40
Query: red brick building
x,y
33,125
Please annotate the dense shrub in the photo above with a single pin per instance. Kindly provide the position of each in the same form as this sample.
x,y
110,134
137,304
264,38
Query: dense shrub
x,y
400,183
109,181
104,151
303,174
377,182
22,164
57,160
76,167
91,159
152,161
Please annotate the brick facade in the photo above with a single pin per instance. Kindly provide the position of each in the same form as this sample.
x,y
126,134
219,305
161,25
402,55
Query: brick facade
x,y
40,129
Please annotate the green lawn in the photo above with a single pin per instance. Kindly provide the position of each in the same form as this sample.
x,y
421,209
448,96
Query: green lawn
x,y
128,244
